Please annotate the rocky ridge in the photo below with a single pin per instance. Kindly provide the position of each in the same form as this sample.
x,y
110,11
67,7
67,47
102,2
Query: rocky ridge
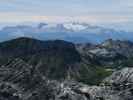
x,y
109,53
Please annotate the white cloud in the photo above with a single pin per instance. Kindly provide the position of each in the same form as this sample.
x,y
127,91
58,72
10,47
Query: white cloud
x,y
97,18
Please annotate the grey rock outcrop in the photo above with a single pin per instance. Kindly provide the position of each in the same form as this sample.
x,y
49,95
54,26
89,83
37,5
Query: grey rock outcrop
x,y
21,81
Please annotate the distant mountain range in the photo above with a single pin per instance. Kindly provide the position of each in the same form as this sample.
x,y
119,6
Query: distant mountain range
x,y
73,32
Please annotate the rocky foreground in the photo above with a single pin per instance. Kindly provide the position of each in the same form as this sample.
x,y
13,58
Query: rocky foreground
x,y
21,81
31,69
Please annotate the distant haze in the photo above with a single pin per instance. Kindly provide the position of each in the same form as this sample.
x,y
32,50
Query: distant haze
x,y
112,13
73,32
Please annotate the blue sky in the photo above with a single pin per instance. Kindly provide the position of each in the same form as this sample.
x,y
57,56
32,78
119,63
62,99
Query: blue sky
x,y
91,11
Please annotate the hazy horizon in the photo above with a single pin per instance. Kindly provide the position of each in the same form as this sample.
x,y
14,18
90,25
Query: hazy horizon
x,y
110,13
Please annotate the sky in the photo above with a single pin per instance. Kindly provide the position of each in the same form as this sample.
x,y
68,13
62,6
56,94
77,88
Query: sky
x,y
113,13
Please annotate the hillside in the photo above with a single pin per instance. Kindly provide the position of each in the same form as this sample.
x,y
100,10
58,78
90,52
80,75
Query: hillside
x,y
56,59
62,60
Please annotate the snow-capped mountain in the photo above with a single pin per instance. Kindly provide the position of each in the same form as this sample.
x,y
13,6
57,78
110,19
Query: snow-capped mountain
x,y
74,32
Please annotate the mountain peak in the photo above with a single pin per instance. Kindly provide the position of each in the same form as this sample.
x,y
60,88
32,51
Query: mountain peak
x,y
108,42
42,25
118,43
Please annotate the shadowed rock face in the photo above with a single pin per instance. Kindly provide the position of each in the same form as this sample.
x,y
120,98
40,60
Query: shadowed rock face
x,y
52,58
23,47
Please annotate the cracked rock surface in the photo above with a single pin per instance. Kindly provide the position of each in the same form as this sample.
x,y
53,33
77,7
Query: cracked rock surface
x,y
20,81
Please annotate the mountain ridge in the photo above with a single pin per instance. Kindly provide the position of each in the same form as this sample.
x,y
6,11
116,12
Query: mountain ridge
x,y
32,69
55,59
